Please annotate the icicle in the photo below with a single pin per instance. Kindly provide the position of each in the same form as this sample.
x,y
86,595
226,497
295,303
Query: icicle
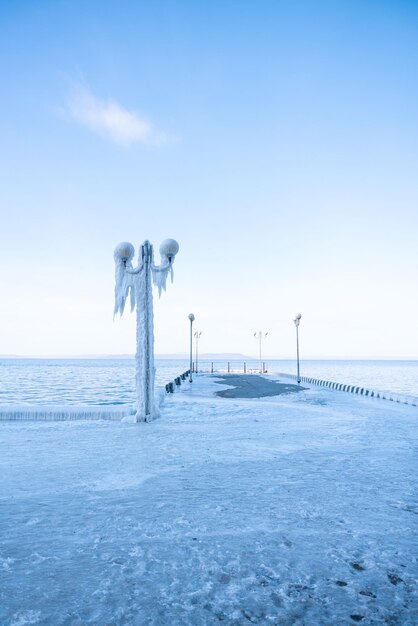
x,y
60,413
119,275
168,251
159,275
132,293
123,285
123,255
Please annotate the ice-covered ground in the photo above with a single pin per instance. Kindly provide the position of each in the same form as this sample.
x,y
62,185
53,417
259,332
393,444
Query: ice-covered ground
x,y
299,509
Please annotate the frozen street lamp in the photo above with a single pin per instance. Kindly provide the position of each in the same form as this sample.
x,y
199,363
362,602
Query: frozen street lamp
x,y
197,337
136,284
191,318
260,336
297,322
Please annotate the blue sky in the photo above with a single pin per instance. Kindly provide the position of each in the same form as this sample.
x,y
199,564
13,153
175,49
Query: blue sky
x,y
276,141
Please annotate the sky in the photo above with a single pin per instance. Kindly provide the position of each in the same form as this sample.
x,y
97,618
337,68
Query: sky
x,y
276,141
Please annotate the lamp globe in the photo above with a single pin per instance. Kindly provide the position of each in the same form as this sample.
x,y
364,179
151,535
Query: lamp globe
x,y
169,249
124,251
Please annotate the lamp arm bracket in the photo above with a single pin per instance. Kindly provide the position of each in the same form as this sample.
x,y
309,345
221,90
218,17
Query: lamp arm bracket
x,y
161,268
137,270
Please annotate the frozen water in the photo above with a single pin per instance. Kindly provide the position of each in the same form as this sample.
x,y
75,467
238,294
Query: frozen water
x,y
298,509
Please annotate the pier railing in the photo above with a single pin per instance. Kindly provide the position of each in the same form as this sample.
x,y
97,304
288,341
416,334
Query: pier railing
x,y
218,367
231,367
362,391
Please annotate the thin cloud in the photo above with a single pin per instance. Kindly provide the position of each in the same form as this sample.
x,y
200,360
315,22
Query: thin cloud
x,y
112,121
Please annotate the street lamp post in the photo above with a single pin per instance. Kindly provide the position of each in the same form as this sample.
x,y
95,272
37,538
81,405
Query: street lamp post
x,y
191,318
197,337
260,336
136,284
297,322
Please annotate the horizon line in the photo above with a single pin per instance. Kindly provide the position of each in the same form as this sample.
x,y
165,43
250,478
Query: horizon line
x,y
208,356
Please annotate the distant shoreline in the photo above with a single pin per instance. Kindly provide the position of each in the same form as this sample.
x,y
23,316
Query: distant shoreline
x,y
203,357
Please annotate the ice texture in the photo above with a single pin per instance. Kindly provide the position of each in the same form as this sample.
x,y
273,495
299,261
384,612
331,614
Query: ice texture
x,y
299,509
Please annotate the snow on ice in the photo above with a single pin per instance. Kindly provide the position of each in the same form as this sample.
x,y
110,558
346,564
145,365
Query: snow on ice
x,y
298,509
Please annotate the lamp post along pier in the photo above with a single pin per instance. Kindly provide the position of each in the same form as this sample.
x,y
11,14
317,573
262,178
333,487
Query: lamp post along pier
x,y
135,284
260,335
297,319
191,318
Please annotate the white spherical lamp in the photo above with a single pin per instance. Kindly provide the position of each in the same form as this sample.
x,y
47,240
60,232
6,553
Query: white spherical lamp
x,y
124,251
169,248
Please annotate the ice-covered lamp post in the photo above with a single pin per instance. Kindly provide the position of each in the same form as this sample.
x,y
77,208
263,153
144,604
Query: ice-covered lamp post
x,y
136,284
191,318
260,336
297,322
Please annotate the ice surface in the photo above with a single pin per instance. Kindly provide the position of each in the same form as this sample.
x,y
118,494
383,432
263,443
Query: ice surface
x,y
299,509
65,412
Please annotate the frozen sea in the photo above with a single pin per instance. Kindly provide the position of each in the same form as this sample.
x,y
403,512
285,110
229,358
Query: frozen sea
x,y
294,510
111,381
